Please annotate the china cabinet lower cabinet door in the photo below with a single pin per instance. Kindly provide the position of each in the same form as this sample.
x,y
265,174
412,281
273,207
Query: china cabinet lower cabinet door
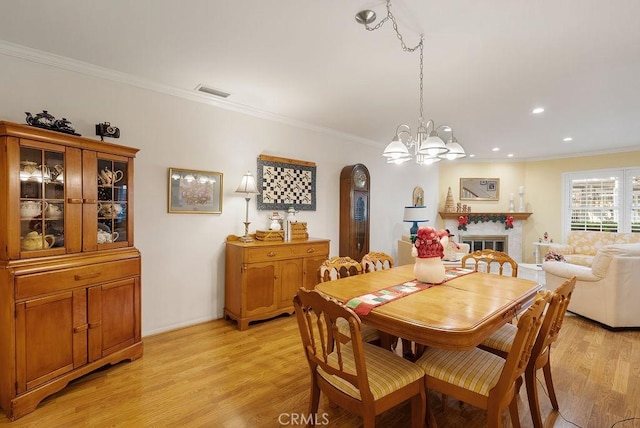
x,y
114,317
51,338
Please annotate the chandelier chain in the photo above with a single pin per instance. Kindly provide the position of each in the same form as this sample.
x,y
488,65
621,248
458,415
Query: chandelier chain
x,y
421,84
395,28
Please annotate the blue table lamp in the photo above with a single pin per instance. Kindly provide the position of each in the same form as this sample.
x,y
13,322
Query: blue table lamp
x,y
416,214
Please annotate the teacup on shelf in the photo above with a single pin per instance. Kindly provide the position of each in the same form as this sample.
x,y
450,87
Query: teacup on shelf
x,y
105,237
110,210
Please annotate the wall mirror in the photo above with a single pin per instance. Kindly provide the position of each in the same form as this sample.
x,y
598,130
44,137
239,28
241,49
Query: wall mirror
x,y
479,189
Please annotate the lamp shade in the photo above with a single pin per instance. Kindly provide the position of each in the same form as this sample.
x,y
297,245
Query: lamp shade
x,y
248,184
417,214
433,146
396,149
455,150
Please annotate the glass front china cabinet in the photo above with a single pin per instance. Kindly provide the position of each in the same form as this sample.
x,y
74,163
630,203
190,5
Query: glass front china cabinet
x,y
70,281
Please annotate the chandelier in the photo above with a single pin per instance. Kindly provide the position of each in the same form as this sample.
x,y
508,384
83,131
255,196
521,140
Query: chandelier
x,y
426,147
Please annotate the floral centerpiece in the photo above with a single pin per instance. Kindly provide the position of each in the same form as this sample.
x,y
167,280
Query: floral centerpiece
x,y
428,249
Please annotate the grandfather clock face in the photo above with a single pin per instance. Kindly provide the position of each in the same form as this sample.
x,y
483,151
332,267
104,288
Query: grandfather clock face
x,y
354,211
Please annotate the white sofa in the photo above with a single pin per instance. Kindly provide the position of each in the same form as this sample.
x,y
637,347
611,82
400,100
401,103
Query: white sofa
x,y
581,245
609,290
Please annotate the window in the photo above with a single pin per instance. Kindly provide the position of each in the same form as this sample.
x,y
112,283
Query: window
x,y
604,200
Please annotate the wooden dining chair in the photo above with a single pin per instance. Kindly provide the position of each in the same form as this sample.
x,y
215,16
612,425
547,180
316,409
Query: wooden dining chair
x,y
490,257
357,376
481,378
501,342
341,267
338,267
376,260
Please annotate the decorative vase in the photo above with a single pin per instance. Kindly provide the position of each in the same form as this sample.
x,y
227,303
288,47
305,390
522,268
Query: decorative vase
x,y
429,269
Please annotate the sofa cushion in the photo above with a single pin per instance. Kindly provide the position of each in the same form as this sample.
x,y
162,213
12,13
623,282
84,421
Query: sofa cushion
x,y
579,259
627,238
588,243
603,258
567,270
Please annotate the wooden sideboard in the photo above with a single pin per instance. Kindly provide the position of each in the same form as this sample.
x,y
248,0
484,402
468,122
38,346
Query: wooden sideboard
x,y
262,277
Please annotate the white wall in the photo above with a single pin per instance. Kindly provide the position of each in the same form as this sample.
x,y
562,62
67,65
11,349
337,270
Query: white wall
x,y
183,254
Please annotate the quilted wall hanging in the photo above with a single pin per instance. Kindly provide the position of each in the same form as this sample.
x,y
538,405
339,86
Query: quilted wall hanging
x,y
285,183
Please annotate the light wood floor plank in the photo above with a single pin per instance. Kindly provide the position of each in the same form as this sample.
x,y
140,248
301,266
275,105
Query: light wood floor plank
x,y
213,375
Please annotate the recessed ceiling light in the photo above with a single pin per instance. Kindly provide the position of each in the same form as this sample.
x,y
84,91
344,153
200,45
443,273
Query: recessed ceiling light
x,y
567,139
537,110
472,156
495,149
510,155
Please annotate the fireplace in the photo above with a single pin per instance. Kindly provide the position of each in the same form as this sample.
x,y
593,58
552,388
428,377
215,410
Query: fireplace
x,y
487,242
490,234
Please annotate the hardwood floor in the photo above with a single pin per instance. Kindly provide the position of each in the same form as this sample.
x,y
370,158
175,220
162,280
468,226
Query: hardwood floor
x,y
212,375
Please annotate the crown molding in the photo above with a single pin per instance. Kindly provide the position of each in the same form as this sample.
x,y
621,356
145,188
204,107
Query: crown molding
x,y
65,63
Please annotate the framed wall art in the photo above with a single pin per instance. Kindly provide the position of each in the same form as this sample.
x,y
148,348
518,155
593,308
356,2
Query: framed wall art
x,y
285,183
195,192
479,189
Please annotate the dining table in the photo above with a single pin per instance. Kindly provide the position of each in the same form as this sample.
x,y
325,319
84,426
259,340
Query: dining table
x,y
457,314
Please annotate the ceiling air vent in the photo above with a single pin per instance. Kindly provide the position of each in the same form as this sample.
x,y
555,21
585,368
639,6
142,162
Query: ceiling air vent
x,y
212,91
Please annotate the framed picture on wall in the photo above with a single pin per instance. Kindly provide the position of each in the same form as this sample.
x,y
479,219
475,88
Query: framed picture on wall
x,y
479,189
285,183
195,192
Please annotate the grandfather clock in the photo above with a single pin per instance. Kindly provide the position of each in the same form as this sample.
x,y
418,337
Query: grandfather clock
x,y
354,211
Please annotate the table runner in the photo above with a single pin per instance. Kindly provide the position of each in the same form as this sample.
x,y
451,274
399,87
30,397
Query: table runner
x,y
364,304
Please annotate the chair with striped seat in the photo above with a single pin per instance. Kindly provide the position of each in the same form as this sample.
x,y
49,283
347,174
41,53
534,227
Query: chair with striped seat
x,y
341,267
490,257
500,343
481,378
376,260
357,376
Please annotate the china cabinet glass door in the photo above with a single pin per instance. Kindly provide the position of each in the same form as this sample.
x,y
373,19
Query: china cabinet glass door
x,y
42,197
112,201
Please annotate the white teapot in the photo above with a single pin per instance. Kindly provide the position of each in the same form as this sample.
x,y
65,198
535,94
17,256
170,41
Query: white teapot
x,y
105,237
53,211
30,209
108,177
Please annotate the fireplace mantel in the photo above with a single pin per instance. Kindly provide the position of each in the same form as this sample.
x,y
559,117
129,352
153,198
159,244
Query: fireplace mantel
x,y
455,215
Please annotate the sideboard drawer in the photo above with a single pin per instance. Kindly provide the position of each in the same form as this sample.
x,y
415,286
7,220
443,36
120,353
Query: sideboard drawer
x,y
310,249
49,282
265,254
